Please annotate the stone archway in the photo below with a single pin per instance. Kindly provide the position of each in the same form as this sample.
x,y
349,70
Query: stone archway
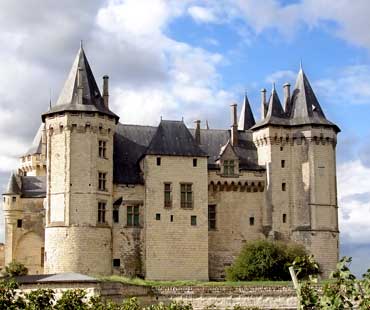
x,y
29,251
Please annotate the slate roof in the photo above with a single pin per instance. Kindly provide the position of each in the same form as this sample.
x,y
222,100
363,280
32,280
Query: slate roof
x,y
26,186
92,100
303,108
246,119
173,138
36,143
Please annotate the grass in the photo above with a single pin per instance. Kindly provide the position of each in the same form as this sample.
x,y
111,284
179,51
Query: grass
x,y
138,281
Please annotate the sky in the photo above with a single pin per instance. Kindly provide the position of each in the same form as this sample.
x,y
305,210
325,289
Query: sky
x,y
191,59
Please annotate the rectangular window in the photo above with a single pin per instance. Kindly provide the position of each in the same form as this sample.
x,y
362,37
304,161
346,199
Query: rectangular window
x,y
281,148
158,217
133,216
229,167
211,217
171,218
251,221
102,181
101,212
283,163
186,195
115,215
42,252
19,223
193,220
283,187
14,199
158,161
195,162
102,149
116,262
167,195
284,218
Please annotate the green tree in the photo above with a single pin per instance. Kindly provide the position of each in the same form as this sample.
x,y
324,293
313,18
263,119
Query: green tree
x,y
72,300
9,299
14,269
41,299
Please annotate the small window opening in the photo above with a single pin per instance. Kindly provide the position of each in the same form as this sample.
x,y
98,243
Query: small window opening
x,y
283,187
284,218
14,199
251,221
281,148
158,161
19,223
42,256
115,215
116,262
171,218
195,162
193,220
158,216
283,163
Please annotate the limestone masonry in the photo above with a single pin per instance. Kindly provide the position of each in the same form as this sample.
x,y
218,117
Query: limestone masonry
x,y
95,196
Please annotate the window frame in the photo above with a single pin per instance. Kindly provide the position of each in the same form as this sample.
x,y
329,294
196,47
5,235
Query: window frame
x,y
102,181
229,167
185,193
133,216
193,220
115,214
212,217
167,191
102,149
102,211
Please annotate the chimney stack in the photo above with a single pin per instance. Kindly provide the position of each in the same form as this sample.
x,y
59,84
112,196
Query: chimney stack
x,y
79,85
197,131
234,127
263,103
106,91
286,87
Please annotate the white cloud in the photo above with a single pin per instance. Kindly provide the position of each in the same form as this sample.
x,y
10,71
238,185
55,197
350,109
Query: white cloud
x,y
202,14
281,76
354,202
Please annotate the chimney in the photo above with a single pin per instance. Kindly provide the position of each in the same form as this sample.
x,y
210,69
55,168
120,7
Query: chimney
x,y
80,87
106,91
234,127
263,103
286,87
197,131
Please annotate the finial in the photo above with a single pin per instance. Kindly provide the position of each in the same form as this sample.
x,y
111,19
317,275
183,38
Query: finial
x,y
245,92
81,44
273,86
182,119
50,98
161,117
207,125
300,65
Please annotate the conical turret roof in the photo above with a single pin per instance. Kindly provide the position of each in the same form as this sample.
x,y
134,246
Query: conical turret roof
x,y
304,107
92,100
275,114
246,119
13,187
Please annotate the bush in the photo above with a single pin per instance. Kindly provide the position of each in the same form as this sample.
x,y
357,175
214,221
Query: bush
x,y
14,269
41,299
265,260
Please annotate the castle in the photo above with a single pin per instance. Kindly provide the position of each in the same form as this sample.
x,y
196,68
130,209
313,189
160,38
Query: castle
x,y
95,196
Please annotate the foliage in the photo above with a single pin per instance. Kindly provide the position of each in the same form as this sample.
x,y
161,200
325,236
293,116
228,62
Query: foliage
x,y
342,292
14,269
72,300
266,260
8,296
41,299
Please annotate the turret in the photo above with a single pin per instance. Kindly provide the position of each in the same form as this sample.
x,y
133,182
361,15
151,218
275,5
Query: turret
x,y
80,129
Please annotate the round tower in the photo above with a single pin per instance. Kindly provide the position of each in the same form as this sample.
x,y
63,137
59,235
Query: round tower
x,y
80,129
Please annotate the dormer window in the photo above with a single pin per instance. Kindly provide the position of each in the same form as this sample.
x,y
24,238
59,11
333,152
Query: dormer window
x,y
229,167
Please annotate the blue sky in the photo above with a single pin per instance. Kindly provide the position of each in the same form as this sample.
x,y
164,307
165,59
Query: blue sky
x,y
191,59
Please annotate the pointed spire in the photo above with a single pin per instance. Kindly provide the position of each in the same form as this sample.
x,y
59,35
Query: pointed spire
x,y
246,119
274,107
80,91
13,187
207,125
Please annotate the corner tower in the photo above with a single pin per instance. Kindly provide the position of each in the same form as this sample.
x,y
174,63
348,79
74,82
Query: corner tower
x,y
80,129
297,146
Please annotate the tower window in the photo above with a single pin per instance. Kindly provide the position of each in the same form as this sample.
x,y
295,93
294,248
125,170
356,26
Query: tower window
x,y
19,223
102,181
133,216
186,195
158,217
251,221
283,163
193,220
283,187
281,148
284,218
115,215
229,167
42,257
167,195
171,218
14,199
102,149
195,162
211,217
101,212
116,262
158,161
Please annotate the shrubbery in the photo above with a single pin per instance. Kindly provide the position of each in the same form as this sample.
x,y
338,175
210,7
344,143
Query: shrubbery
x,y
15,269
266,260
